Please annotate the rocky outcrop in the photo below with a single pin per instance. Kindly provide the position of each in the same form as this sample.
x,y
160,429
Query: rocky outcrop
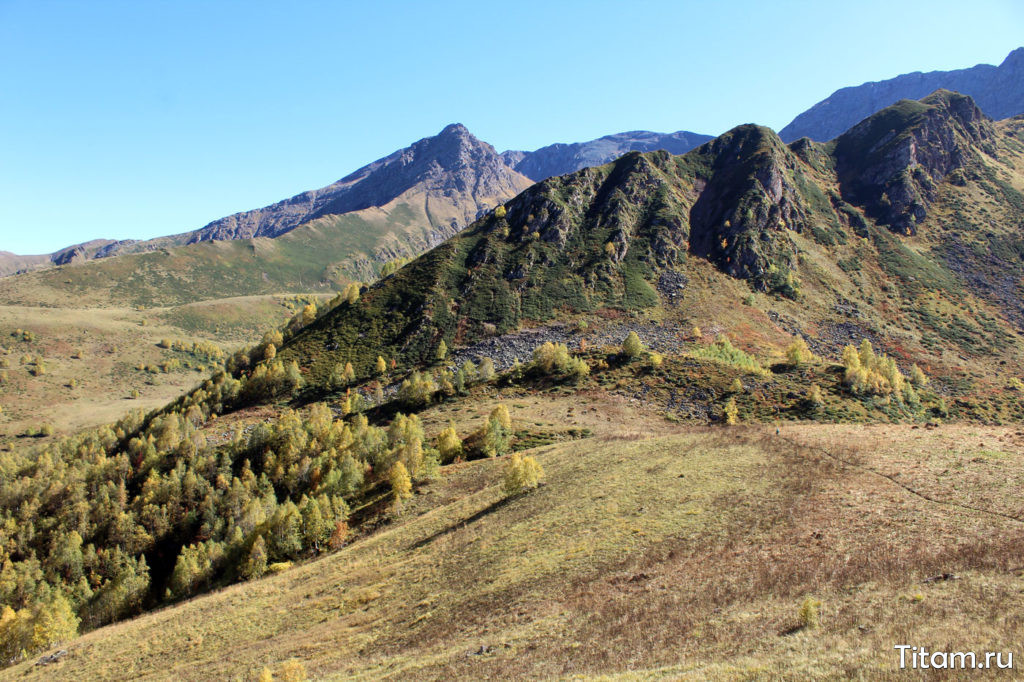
x,y
559,159
998,90
746,204
892,163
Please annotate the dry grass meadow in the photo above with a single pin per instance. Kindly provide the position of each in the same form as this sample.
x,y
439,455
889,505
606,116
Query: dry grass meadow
x,y
92,358
652,551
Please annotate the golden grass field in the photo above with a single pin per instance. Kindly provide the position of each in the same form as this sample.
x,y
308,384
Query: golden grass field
x,y
652,551
95,388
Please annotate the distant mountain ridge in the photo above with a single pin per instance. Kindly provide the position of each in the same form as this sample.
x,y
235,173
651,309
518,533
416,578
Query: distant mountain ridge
x,y
559,158
453,161
998,91
406,202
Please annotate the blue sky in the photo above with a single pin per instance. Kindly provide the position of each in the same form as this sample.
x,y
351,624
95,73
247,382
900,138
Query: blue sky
x,y
138,119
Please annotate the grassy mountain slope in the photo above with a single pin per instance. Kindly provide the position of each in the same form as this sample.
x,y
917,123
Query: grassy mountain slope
x,y
799,233
650,551
101,362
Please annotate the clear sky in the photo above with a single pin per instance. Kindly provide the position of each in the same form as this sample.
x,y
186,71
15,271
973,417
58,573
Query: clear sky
x,y
138,119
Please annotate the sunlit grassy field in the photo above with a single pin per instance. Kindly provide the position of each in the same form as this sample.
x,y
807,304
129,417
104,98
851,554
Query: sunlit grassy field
x,y
651,551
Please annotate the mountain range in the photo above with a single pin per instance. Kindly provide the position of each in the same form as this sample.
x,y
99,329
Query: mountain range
x,y
998,90
883,213
408,201
394,207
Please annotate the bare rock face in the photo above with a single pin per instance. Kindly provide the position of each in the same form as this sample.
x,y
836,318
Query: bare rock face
x,y
892,162
998,91
451,162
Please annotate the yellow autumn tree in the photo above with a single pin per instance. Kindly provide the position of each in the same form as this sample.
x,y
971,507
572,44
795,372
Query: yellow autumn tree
x,y
398,479
520,474
449,445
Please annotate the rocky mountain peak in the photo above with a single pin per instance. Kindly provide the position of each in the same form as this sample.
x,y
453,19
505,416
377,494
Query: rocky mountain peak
x,y
747,203
560,158
451,161
891,162
1014,60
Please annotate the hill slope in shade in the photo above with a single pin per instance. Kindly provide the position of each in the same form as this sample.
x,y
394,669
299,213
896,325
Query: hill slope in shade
x,y
998,90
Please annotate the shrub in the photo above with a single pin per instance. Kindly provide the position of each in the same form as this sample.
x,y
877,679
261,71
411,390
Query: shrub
x,y
351,293
578,369
520,474
723,351
797,353
293,670
814,396
256,563
418,390
551,358
809,615
1014,384
730,413
656,359
342,375
398,479
632,347
867,373
449,445
554,359
736,386
497,432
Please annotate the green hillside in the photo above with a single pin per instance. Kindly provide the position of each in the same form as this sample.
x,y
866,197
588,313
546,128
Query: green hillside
x,y
778,226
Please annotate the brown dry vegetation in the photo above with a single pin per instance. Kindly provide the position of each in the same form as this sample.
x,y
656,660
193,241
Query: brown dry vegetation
x,y
651,551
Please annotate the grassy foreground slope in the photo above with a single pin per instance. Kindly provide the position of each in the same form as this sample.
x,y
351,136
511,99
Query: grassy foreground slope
x,y
651,551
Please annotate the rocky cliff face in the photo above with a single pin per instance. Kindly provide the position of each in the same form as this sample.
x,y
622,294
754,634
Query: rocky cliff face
x,y
746,205
998,91
451,162
892,162
559,159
